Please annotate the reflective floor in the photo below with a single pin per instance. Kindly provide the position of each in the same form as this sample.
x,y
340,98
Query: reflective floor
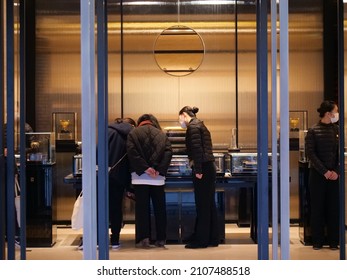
x,y
238,246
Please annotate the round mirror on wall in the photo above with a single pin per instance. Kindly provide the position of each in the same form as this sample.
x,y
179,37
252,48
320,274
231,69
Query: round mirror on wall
x,y
179,50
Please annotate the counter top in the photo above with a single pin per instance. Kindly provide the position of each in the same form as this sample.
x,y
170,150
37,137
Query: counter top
x,y
185,182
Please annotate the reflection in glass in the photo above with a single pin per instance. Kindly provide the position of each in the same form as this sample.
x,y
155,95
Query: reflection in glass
x,y
179,50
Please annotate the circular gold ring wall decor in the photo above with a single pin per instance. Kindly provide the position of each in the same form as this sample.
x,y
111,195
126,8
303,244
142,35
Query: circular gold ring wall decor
x,y
179,50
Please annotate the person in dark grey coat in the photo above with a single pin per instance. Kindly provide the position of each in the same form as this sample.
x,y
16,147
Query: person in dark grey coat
x,y
322,145
149,151
200,154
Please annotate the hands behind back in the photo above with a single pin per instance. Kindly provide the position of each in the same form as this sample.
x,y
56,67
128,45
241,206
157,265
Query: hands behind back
x,y
152,172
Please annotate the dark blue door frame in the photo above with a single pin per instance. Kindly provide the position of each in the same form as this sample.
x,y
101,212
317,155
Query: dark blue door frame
x,y
102,80
22,103
10,163
341,97
2,158
262,134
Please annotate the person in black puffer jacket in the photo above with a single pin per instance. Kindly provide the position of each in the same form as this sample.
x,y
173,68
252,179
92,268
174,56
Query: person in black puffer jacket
x,y
322,145
119,174
149,152
200,154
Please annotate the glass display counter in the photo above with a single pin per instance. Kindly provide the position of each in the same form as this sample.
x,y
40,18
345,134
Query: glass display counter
x,y
41,230
40,147
41,204
242,164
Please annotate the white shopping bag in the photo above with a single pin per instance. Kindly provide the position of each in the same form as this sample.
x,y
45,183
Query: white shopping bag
x,y
77,213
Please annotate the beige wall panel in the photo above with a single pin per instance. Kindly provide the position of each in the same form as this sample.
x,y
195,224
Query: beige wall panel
x,y
58,87
114,86
306,83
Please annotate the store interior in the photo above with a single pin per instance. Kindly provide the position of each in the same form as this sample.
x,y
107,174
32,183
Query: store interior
x,y
219,76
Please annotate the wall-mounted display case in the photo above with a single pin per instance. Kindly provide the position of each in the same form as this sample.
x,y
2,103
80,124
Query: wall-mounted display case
x,y
297,121
64,126
40,147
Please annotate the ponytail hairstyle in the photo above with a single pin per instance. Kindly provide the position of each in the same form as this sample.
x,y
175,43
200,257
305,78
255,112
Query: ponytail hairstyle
x,y
326,106
191,112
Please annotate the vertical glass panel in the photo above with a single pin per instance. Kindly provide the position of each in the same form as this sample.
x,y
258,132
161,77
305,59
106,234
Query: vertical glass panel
x,y
345,105
58,71
216,77
247,75
114,60
16,74
305,93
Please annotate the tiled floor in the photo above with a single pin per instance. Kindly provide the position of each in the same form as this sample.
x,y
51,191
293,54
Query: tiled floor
x,y
238,246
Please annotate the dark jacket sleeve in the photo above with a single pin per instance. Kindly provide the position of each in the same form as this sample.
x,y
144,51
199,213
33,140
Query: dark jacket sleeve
x,y
310,145
196,148
136,160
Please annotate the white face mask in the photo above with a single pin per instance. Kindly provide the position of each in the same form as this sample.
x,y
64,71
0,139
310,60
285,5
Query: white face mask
x,y
182,122
335,118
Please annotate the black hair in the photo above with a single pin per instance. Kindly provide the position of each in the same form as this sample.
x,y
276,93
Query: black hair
x,y
189,110
326,106
125,120
129,120
151,118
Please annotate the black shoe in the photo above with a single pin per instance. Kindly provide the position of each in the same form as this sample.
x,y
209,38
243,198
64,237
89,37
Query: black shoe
x,y
334,247
80,246
160,244
144,244
317,247
195,246
115,245
213,243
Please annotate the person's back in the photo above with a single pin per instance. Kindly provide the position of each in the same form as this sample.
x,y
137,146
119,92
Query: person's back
x,y
152,144
149,151
117,138
119,175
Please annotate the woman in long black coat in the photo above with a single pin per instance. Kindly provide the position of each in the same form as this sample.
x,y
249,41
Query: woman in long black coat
x,y
199,150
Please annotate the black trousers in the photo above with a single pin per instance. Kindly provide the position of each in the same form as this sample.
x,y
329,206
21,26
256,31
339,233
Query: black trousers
x,y
206,226
116,194
144,195
324,208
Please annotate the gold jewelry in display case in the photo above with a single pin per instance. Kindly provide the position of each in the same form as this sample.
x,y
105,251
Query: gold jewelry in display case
x,y
40,147
297,122
64,126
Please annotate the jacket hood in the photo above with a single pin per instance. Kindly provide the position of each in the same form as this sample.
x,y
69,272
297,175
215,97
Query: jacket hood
x,y
122,128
